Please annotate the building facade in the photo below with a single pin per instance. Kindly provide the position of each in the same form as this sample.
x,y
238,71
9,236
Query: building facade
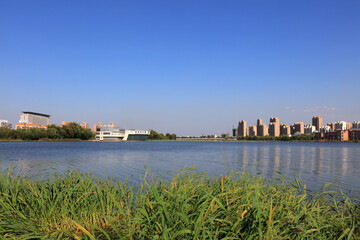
x,y
340,125
284,130
242,129
309,129
274,127
332,136
235,132
5,123
263,130
112,132
354,134
258,124
332,126
297,127
317,122
33,120
252,130
356,124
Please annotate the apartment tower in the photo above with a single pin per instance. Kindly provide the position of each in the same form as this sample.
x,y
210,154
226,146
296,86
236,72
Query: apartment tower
x,y
317,122
274,127
258,124
252,130
284,129
298,127
242,129
263,130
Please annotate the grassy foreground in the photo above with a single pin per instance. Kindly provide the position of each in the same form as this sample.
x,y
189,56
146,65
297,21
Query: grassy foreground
x,y
190,206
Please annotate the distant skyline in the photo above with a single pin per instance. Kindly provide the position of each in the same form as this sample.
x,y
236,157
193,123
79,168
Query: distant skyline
x,y
187,67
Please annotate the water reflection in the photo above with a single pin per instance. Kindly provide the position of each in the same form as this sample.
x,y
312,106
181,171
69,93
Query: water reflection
x,y
319,162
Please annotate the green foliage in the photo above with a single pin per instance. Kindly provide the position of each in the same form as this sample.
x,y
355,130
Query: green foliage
x,y
159,136
78,205
70,131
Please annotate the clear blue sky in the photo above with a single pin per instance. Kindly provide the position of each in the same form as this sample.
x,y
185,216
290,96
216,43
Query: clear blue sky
x,y
186,67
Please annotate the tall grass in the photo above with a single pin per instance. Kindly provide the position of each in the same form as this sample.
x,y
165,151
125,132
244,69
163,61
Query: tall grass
x,y
77,205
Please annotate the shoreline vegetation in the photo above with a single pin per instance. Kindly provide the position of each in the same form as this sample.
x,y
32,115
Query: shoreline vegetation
x,y
76,205
71,131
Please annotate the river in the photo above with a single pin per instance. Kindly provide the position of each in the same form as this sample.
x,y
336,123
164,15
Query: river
x,y
312,162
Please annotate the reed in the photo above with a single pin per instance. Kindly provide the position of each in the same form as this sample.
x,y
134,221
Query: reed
x,y
76,205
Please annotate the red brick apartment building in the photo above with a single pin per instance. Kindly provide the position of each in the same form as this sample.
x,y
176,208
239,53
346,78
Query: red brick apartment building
x,y
339,135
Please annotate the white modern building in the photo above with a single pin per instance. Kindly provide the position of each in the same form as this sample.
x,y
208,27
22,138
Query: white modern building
x,y
309,129
5,123
324,129
35,118
115,133
340,125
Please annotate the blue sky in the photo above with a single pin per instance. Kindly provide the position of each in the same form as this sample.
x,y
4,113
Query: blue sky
x,y
186,67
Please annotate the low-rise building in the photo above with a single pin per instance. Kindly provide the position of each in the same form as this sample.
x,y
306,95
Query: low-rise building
x,y
338,135
112,132
354,134
29,125
5,123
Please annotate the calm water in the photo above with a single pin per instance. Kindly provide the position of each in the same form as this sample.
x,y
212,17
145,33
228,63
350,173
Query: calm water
x,y
319,163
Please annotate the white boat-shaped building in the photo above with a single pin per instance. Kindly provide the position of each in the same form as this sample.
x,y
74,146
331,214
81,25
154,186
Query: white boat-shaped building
x,y
115,133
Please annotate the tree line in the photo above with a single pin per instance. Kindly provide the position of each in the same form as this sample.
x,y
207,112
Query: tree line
x,y
69,131
159,136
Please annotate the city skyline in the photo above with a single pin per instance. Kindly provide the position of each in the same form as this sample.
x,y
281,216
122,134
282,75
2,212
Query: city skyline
x,y
190,68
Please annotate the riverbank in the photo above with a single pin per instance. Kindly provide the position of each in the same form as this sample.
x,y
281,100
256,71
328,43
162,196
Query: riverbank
x,y
45,140
78,205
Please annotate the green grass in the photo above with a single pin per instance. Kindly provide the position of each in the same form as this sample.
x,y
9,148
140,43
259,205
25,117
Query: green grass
x,y
78,205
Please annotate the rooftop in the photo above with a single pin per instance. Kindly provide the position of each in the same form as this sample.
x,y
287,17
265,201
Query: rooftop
x,y
39,114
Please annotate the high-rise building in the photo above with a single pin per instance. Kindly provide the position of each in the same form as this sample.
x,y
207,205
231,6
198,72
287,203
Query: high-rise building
x,y
258,124
356,124
242,129
317,121
5,123
235,132
284,129
340,125
263,130
309,129
332,126
274,127
349,125
297,127
33,120
325,129
252,130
